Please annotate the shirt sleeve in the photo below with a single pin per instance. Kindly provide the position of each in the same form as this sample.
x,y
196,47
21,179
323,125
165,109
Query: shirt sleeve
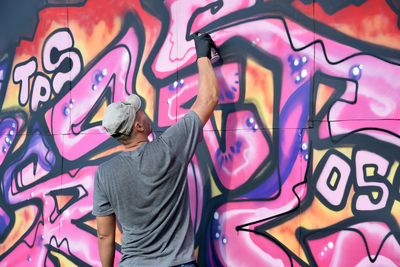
x,y
101,203
183,137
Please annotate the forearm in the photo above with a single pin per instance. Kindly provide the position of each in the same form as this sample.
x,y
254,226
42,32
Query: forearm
x,y
208,84
106,250
208,89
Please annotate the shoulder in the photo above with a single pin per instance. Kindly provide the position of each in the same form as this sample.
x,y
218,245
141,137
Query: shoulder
x,y
155,149
108,166
188,122
191,115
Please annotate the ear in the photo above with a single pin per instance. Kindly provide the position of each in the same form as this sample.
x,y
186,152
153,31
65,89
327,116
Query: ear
x,y
138,127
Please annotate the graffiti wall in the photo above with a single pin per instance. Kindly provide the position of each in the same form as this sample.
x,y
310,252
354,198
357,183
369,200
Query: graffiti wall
x,y
299,165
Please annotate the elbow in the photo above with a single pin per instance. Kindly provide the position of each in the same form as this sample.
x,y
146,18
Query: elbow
x,y
102,237
208,97
105,240
213,101
208,103
215,97
105,237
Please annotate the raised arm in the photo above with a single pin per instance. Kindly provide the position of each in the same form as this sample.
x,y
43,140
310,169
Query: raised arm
x,y
208,89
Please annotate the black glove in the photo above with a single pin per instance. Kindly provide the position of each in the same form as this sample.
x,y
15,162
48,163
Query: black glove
x,y
203,43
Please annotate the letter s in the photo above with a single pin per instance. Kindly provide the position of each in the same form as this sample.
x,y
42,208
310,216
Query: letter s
x,y
60,56
364,200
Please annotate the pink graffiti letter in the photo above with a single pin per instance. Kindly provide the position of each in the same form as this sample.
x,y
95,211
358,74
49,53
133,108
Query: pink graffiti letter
x,y
380,164
334,166
22,73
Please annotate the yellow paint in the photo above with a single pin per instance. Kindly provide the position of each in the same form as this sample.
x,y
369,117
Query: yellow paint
x,y
118,236
347,151
375,194
285,232
146,90
218,120
11,97
324,92
92,224
64,261
286,235
143,86
108,152
99,114
260,91
24,218
318,154
396,211
89,44
370,171
372,31
393,171
214,189
333,179
62,201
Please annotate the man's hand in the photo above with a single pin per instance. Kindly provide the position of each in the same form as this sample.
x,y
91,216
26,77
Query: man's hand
x,y
208,90
106,226
203,43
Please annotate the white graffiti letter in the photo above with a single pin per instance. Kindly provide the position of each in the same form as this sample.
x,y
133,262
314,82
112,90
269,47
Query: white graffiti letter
x,y
41,91
59,47
22,73
333,179
380,166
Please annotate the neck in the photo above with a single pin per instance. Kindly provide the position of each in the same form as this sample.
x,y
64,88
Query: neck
x,y
135,143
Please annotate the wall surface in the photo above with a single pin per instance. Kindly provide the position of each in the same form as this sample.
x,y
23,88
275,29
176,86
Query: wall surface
x,y
300,162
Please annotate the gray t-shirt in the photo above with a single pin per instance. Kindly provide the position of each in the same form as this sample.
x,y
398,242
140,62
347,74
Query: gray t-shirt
x,y
147,190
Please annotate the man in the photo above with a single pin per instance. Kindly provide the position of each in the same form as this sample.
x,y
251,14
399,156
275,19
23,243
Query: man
x,y
144,188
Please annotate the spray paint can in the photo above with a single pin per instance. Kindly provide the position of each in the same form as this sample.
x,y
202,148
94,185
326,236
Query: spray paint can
x,y
214,55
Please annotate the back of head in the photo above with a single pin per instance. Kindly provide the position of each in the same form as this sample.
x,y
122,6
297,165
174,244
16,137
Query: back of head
x,y
119,117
